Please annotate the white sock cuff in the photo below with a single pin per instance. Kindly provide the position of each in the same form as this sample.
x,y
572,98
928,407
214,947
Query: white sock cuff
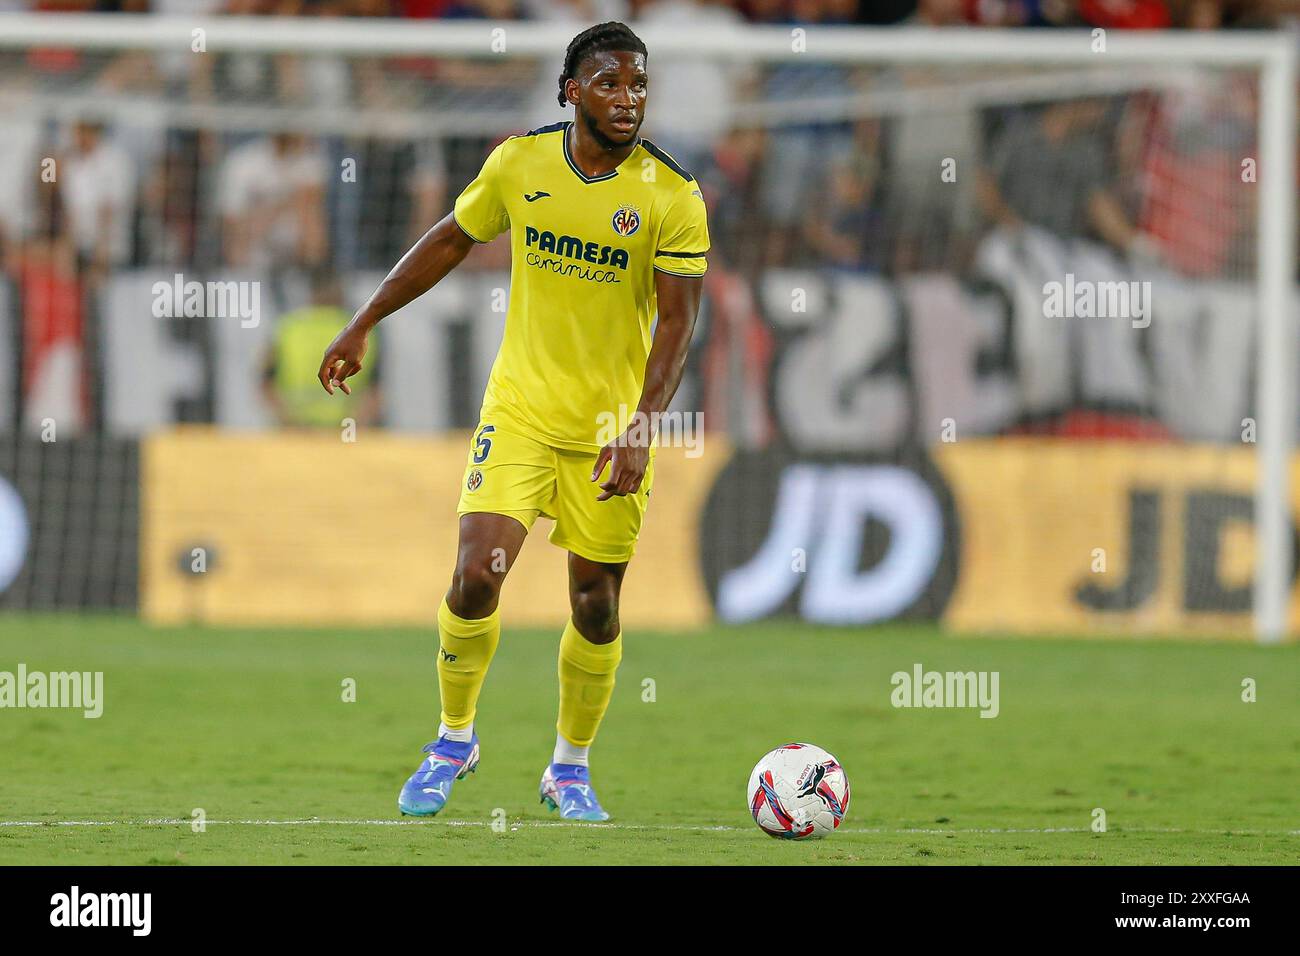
x,y
566,752
463,736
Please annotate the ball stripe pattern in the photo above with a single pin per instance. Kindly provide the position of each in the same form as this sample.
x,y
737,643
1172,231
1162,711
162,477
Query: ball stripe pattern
x,y
798,791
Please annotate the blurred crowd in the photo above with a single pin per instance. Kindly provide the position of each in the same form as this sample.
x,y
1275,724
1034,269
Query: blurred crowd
x,y
174,162
1120,14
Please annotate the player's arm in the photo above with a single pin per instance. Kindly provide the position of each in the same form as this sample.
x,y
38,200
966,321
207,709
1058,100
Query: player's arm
x,y
439,251
679,267
479,216
679,304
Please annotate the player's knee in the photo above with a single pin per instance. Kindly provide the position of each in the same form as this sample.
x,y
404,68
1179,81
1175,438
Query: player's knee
x,y
595,614
474,590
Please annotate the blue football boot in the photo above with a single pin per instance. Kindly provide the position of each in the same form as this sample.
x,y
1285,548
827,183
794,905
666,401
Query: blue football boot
x,y
426,792
567,787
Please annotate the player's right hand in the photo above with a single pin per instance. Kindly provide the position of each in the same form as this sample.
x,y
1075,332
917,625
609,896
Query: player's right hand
x,y
342,359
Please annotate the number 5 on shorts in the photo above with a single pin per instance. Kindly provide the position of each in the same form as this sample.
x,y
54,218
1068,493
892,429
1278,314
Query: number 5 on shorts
x,y
484,444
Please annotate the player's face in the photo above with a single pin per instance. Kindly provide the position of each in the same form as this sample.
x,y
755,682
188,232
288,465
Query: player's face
x,y
612,97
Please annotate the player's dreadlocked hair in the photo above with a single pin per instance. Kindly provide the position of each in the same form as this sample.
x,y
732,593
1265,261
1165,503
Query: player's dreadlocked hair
x,y
601,38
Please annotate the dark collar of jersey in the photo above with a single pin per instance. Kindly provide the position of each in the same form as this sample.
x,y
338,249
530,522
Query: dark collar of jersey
x,y
574,166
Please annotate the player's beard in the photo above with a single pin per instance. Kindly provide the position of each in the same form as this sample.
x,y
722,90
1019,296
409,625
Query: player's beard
x,y
593,127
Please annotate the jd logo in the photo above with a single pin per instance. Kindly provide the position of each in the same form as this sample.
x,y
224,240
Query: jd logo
x,y
846,542
1207,516
449,658
13,533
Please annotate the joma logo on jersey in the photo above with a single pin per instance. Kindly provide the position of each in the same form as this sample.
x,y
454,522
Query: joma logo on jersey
x,y
572,247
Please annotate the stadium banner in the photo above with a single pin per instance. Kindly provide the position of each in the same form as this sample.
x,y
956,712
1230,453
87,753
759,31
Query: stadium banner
x,y
1031,535
1104,538
300,528
865,364
1036,536
869,364
68,522
209,365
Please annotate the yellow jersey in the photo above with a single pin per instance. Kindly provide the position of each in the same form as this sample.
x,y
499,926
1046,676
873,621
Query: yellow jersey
x,y
582,290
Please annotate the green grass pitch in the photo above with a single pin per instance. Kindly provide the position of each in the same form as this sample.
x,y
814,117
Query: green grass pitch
x,y
251,727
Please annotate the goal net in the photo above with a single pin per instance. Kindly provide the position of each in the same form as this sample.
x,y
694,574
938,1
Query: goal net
x,y
997,329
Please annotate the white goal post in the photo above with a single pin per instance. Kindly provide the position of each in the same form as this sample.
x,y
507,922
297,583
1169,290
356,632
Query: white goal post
x,y
1272,56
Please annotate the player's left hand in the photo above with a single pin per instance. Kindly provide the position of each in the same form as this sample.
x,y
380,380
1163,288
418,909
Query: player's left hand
x,y
629,456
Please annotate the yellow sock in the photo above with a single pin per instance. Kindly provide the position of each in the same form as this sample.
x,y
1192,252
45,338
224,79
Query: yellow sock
x,y
466,649
586,684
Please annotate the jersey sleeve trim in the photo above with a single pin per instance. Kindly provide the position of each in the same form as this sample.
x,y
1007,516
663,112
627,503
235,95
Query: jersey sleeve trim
x,y
481,242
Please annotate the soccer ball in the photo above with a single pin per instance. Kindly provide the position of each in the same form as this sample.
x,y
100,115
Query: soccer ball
x,y
798,791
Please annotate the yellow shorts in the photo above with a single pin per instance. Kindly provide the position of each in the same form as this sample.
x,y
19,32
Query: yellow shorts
x,y
512,474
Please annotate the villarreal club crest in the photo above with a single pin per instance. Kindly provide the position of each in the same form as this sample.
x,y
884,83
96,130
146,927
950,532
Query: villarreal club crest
x,y
626,221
